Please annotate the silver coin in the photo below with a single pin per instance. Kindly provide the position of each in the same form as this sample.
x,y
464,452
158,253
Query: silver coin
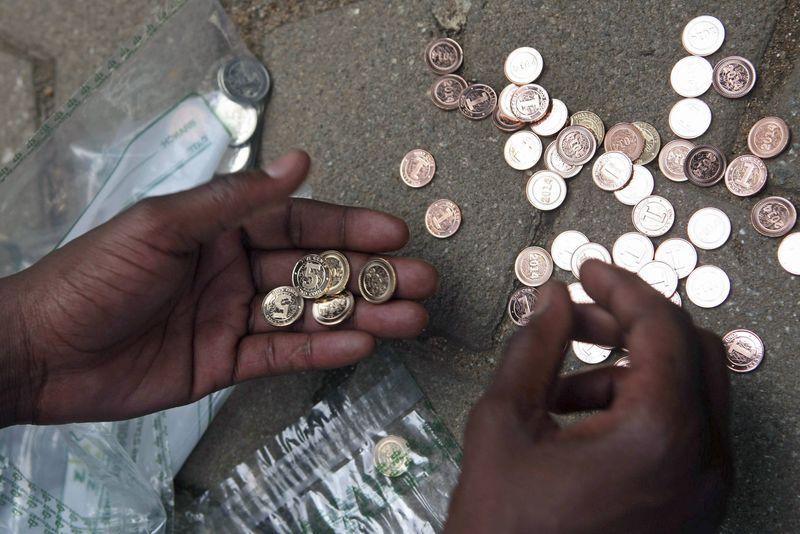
x,y
789,253
612,171
235,159
241,120
653,216
553,162
709,228
533,266
708,286
590,353
624,361
564,245
244,80
632,251
691,76
678,254
523,150
504,102
660,277
523,65
586,252
689,118
703,35
640,186
530,102
578,295
521,305
554,121
676,299
546,190
671,159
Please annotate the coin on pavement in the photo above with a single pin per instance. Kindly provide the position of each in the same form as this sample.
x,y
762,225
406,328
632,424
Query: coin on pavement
x,y
586,252
703,35
546,190
523,150
676,299
626,138
768,137
612,171
773,216
377,281
530,102
564,245
746,175
310,276
282,306
477,101
660,277
691,76
417,168
504,124
578,294
591,121
576,145
652,142
789,253
640,186
653,216
446,90
671,159
632,250
744,350
552,123
444,55
523,65
443,218
331,310
521,305
590,353
708,286
704,165
689,118
553,162
391,456
533,266
733,77
709,228
678,254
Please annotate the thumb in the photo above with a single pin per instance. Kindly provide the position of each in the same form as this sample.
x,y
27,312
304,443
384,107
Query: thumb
x,y
200,214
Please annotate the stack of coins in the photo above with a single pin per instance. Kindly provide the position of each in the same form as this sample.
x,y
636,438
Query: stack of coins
x,y
323,278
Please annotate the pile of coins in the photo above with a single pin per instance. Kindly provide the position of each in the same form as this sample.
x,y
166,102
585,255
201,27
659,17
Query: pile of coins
x,y
323,278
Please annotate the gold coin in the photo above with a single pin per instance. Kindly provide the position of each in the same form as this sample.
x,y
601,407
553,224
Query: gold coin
x,y
282,306
392,456
377,281
652,142
310,276
591,121
333,309
338,270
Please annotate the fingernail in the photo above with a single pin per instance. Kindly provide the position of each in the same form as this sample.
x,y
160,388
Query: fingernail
x,y
282,167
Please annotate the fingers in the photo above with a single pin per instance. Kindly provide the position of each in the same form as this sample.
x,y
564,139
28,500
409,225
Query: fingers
x,y
301,223
397,319
593,324
416,279
278,353
716,375
587,390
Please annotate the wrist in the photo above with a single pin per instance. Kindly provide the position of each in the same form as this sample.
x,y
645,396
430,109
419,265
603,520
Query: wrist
x,y
16,366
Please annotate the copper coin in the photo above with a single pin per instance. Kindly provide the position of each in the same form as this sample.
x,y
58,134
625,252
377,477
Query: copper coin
x,y
704,165
444,55
417,168
671,159
652,142
505,124
443,218
553,162
446,91
612,170
734,77
589,120
282,306
331,310
339,270
626,138
576,145
744,350
310,276
533,266
773,216
530,102
521,305
477,101
377,281
746,175
768,137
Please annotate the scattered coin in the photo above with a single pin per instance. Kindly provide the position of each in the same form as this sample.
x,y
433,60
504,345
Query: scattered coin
x,y
624,361
773,216
530,102
521,305
733,77
589,352
553,162
523,150
653,216
310,276
576,145
235,159
789,253
554,121
504,124
523,65
744,350
564,245
704,165
632,251
678,254
660,277
377,281
240,119
546,190
282,306
446,90
746,175
477,101
444,55
591,122
709,228
652,142
443,218
392,456
338,270
533,266
768,137
676,299
703,35
689,118
691,76
244,80
626,138
578,295
639,187
504,101
417,168
586,252
331,310
671,159
612,170
708,286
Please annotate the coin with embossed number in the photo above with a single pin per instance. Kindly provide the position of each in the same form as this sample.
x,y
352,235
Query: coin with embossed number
x,y
444,55
709,228
564,245
632,251
552,123
639,187
446,90
338,269
590,353
443,218
653,216
586,252
691,76
768,137
671,159
590,121
660,277
612,171
546,190
746,175
773,216
530,102
477,101
521,305
522,150
689,118
533,266
704,165
703,35
652,142
576,145
678,254
392,456
417,168
626,138
553,162
310,276
733,77
708,286
523,65
331,310
244,79
282,306
744,350
377,281
789,253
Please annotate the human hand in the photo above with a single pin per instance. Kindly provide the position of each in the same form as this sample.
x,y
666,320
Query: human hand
x,y
654,458
161,305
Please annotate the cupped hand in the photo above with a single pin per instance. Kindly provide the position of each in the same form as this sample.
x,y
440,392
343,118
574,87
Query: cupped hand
x,y
654,456
161,305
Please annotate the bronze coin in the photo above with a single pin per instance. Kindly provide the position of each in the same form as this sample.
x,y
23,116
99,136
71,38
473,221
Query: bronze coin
x,y
733,77
704,165
444,55
773,216
377,281
626,138
768,137
446,91
521,305
744,350
443,218
530,102
417,168
504,124
331,310
477,101
671,159
746,175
